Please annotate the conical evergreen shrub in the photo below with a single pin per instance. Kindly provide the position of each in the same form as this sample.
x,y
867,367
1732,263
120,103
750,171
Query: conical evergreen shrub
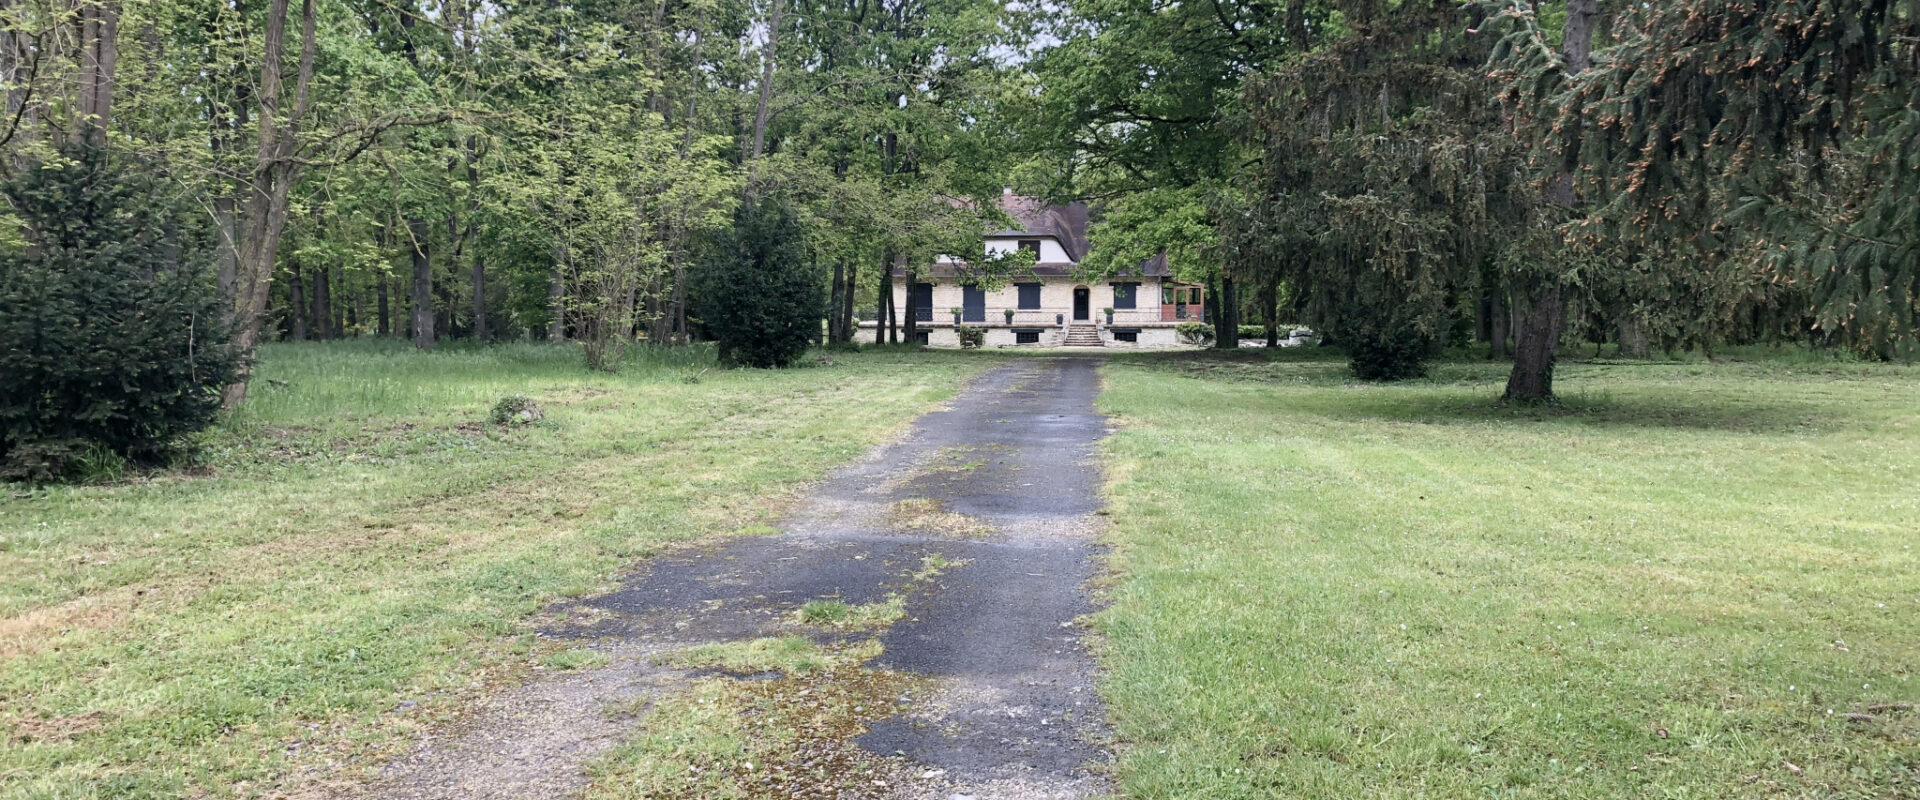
x,y
761,296
112,339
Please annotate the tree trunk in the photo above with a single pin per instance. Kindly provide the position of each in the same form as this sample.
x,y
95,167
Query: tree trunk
x,y
657,35
1210,306
681,334
420,300
479,296
227,261
1226,328
99,53
1233,311
443,311
883,330
763,101
1270,304
225,217
835,288
1543,312
386,312
297,308
556,302
910,316
1633,338
12,58
1499,324
480,331
677,307
1541,316
892,314
274,173
322,325
848,325
658,315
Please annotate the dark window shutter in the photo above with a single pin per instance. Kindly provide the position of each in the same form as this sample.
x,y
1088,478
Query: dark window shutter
x,y
922,301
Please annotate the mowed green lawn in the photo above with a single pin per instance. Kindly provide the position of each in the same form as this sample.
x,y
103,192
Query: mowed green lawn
x,y
361,551
1679,588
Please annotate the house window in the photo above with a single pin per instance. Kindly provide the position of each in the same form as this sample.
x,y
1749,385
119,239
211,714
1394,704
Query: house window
x,y
920,337
973,304
1126,295
922,301
1167,296
1031,246
1026,337
1029,295
1126,335
1193,296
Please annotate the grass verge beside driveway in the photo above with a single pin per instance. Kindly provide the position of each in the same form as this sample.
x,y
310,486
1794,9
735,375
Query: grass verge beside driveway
x,y
360,549
1680,587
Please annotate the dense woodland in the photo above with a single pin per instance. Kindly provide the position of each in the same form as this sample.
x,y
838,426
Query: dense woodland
x,y
1403,175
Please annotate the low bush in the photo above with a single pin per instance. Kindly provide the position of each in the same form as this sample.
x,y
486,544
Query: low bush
x,y
1389,356
1197,333
972,337
516,410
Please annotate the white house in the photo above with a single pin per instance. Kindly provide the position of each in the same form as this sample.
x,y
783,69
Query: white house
x,y
1046,306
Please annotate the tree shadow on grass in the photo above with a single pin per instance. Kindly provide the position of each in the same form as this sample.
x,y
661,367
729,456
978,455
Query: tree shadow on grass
x,y
1467,393
1740,415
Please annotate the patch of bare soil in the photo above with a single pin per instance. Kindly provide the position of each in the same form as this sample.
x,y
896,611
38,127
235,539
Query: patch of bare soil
x,y
528,742
54,729
930,515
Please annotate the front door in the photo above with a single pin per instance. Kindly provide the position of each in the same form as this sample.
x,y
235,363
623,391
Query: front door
x,y
1081,296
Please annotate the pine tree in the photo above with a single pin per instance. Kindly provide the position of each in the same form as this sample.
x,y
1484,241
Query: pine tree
x,y
760,294
111,339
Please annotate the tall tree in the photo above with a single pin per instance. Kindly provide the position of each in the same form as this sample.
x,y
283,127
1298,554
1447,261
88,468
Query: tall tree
x,y
275,169
1385,182
1771,140
1540,299
1139,96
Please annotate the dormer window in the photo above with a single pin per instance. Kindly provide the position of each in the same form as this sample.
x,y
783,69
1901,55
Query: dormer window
x,y
1031,246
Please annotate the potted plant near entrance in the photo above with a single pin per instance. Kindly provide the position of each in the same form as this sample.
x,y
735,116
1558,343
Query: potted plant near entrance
x,y
1109,313
956,315
1009,316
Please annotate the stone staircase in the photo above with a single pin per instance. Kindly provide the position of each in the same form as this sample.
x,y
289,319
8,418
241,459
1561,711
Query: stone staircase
x,y
1082,336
